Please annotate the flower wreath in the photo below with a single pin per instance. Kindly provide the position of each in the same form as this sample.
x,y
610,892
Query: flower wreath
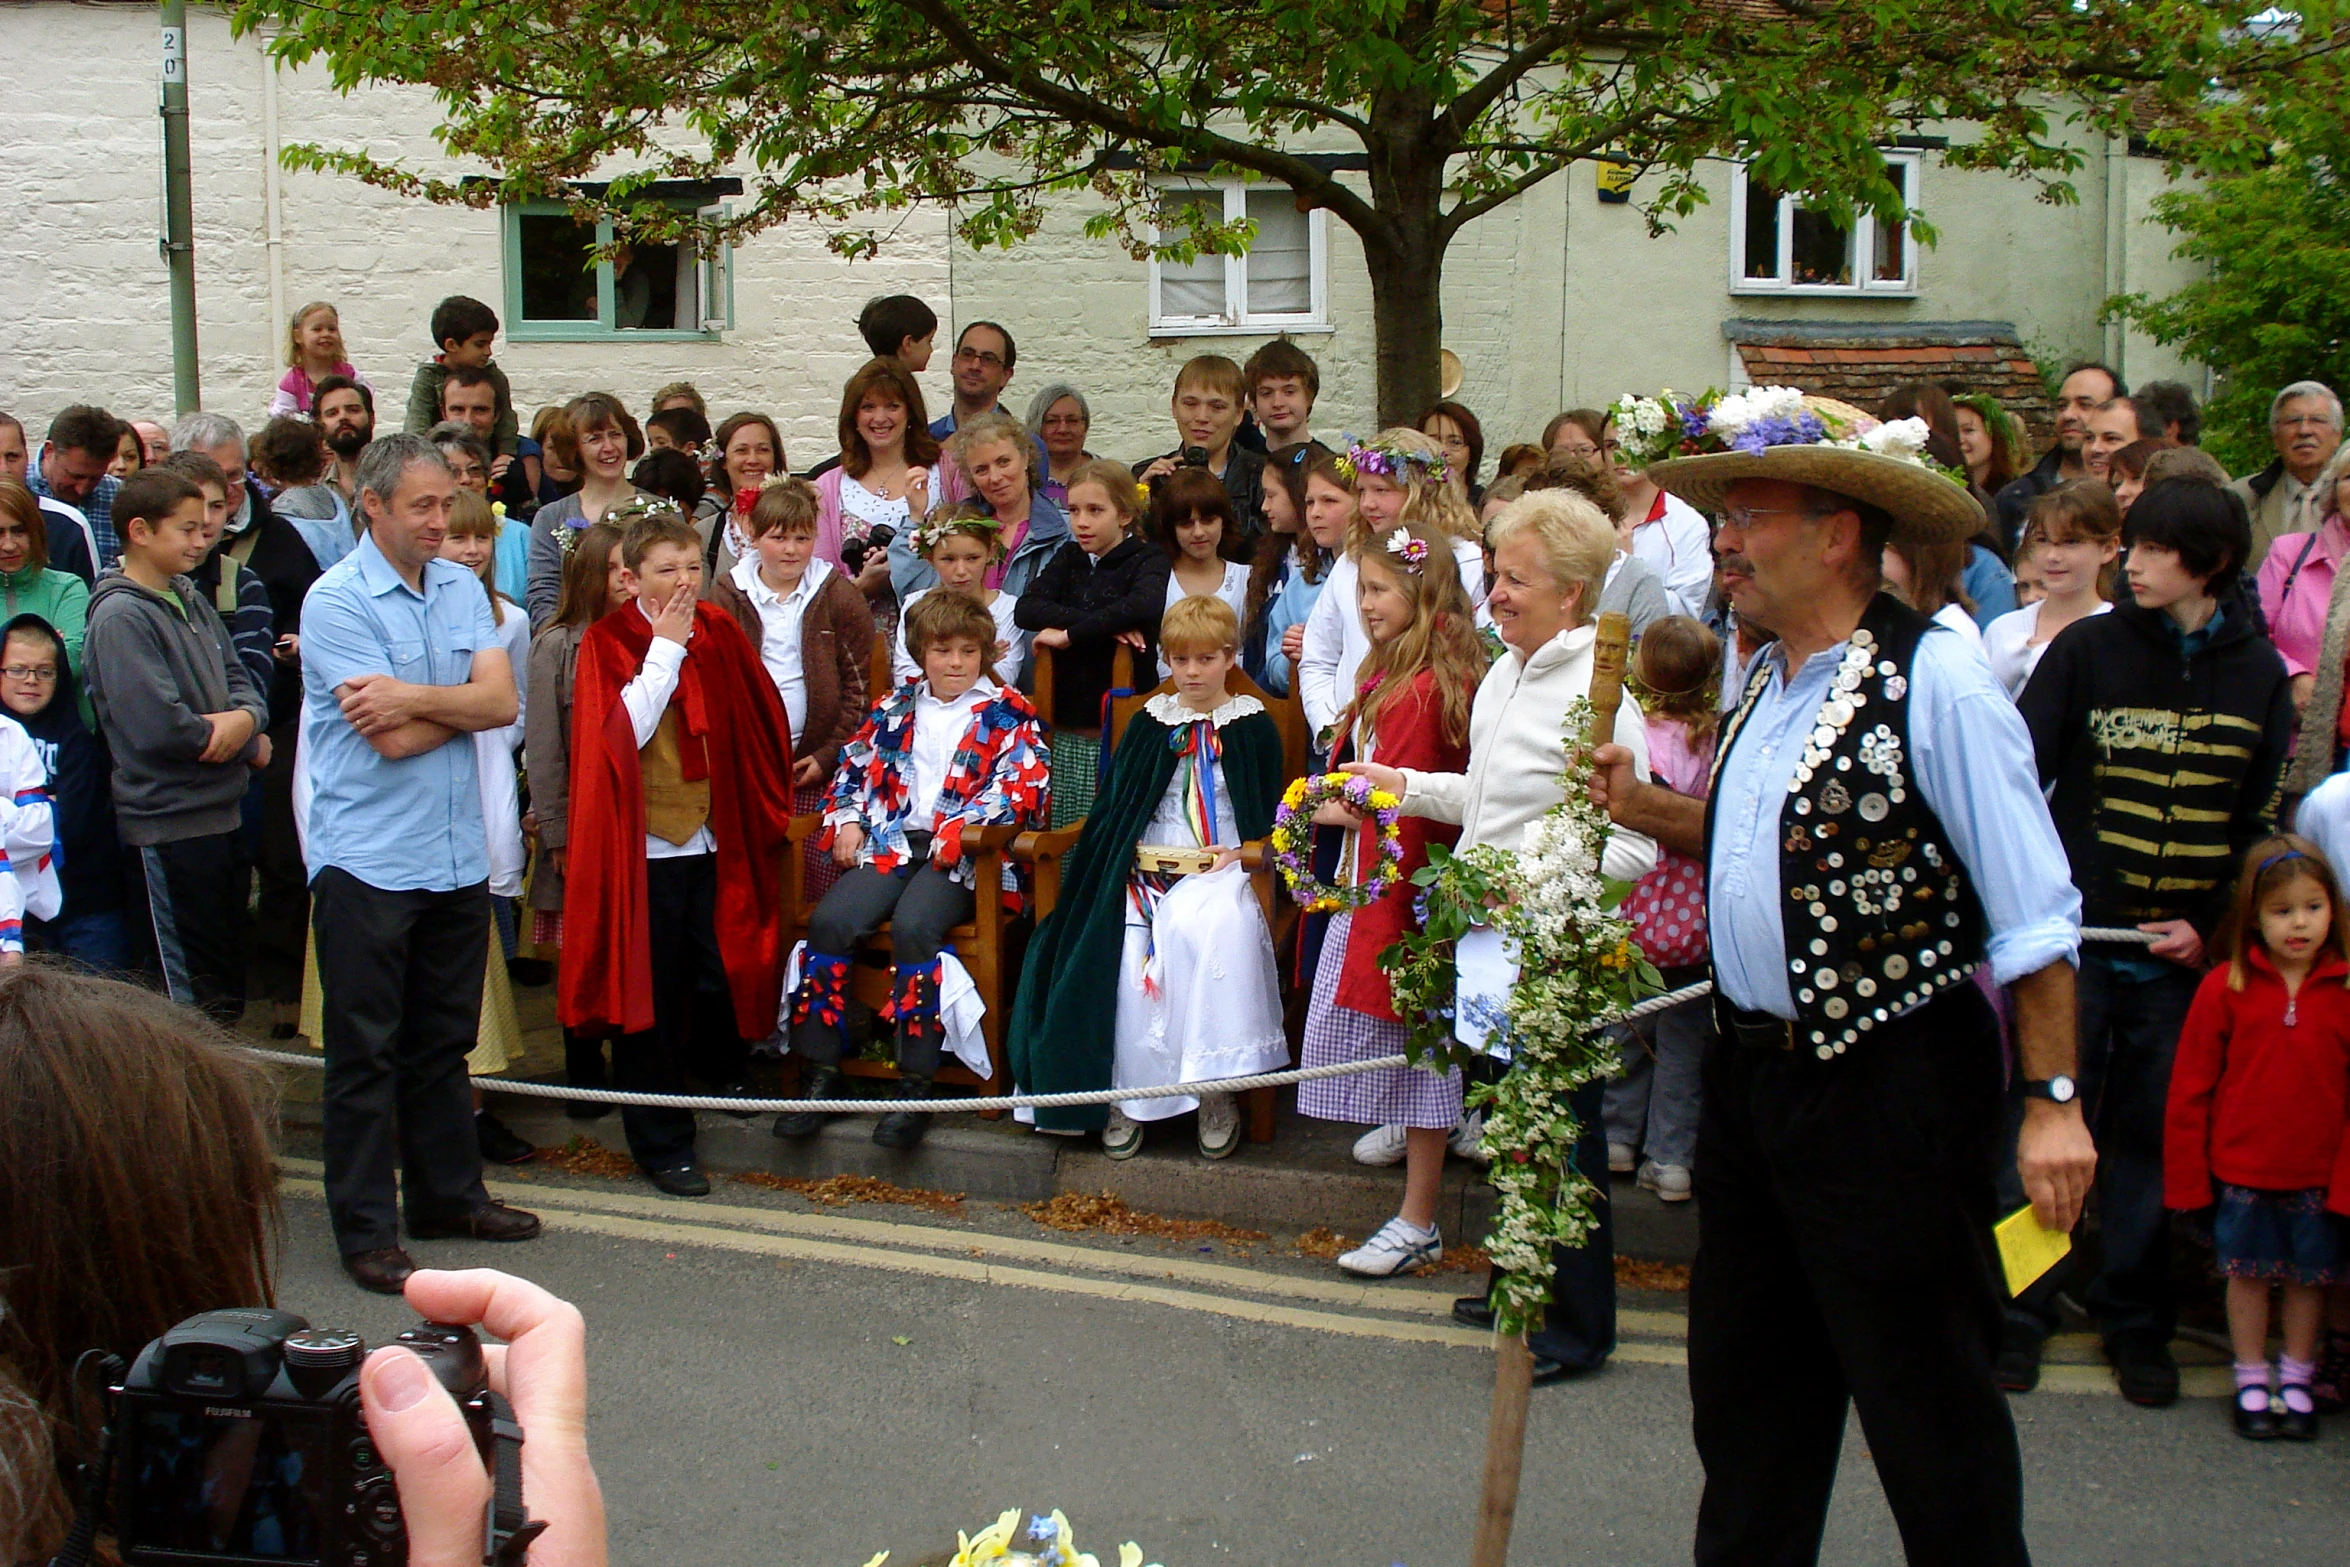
x,y
1293,841
637,508
1651,429
1389,462
1046,1541
935,529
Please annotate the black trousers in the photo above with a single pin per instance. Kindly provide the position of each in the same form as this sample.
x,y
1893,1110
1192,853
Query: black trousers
x,y
282,905
1844,1214
196,890
693,1030
400,976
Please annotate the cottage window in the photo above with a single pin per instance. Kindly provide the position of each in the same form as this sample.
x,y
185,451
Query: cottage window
x,y
1780,245
1282,284
557,291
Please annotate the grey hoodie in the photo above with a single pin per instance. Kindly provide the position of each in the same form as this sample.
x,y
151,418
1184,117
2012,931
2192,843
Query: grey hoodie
x,y
153,674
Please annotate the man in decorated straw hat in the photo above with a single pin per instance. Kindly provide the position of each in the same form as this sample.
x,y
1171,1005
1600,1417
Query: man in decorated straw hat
x,y
1875,836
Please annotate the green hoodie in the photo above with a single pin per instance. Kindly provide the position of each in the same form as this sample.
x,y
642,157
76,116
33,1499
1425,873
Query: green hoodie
x,y
59,597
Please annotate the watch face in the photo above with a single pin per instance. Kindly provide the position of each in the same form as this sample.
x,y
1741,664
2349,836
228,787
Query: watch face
x,y
2060,1089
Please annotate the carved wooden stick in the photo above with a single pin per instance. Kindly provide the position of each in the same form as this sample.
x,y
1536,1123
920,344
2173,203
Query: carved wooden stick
x,y
1607,676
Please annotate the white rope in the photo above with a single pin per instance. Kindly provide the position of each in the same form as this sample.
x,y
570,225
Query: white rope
x,y
1098,1096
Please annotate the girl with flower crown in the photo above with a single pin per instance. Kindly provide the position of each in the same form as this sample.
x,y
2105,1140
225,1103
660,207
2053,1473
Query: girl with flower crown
x,y
1156,966
1398,482
1410,710
962,546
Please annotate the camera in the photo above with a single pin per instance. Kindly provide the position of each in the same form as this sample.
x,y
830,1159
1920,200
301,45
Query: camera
x,y
238,1438
855,552
1195,457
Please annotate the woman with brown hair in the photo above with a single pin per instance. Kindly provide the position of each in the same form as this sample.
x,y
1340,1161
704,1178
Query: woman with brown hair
x,y
746,452
1989,583
597,440
1925,576
883,481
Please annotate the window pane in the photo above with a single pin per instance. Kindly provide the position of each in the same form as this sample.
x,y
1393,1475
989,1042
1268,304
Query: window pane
x,y
1891,261
1280,264
1761,257
1193,288
1823,249
645,288
558,282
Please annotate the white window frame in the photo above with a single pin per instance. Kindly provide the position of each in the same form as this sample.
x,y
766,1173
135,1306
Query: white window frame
x,y
1237,321
1864,243
713,274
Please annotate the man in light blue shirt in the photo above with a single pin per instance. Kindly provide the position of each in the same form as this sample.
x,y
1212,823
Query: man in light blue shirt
x,y
401,665
1876,829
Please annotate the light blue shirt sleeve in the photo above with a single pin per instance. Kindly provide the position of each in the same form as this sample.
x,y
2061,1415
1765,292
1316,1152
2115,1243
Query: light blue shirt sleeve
x,y
1973,760
1990,584
339,641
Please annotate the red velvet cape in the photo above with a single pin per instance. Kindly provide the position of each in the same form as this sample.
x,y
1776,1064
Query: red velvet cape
x,y
726,702
1411,734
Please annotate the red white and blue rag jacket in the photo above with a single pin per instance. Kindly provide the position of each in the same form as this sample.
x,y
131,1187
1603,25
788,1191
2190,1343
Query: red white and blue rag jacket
x,y
1000,775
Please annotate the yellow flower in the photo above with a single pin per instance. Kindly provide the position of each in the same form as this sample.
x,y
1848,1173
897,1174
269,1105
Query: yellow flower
x,y
1334,780
1381,800
1295,795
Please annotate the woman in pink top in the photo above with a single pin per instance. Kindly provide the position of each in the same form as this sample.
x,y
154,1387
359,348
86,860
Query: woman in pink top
x,y
2297,579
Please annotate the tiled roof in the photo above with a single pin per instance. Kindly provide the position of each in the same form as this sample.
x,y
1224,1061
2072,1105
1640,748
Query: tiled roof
x,y
1860,362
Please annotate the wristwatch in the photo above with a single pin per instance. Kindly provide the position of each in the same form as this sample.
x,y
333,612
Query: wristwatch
x,y
2060,1089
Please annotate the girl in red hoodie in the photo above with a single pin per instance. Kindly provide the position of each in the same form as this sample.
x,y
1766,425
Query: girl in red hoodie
x,y
2259,1097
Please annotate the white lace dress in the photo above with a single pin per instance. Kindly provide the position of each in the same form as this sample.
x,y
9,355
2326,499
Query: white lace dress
x,y
1198,995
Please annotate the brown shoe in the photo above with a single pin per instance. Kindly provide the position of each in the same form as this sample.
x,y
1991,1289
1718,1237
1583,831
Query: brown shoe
x,y
383,1270
492,1221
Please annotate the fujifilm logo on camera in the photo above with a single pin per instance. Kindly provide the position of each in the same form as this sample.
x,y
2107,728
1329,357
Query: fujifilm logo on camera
x,y
227,1412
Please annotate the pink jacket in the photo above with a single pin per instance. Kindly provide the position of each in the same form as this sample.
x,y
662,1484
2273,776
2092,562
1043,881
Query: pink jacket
x,y
2296,583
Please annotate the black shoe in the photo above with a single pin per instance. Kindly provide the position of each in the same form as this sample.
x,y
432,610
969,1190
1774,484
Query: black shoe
x,y
2294,1426
2146,1371
2256,1425
1473,1311
384,1270
817,1082
904,1130
529,972
499,1142
492,1221
1547,1370
2018,1368
681,1180
736,1091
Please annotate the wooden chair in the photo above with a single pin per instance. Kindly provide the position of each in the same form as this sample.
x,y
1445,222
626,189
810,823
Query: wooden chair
x,y
1044,851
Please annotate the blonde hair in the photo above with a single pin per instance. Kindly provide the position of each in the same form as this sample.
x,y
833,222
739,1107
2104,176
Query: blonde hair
x,y
1441,639
1436,506
470,517
294,330
1578,541
1125,491
1214,373
1199,623
988,429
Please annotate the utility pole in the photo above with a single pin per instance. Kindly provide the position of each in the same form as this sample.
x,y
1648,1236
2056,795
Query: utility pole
x,y
179,207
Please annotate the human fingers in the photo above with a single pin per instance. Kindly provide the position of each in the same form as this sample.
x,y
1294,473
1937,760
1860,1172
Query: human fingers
x,y
442,1484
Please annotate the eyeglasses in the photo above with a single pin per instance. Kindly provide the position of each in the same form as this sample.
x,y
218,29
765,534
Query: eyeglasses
x,y
40,676
1744,517
979,357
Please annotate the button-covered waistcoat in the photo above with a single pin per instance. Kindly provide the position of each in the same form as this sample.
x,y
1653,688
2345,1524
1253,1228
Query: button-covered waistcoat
x,y
1878,916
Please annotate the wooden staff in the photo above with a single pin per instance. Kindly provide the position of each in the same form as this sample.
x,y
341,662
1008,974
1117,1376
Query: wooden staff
x,y
1513,1365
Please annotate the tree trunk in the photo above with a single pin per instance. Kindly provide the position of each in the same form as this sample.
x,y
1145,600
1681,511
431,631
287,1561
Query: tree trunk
x,y
1406,255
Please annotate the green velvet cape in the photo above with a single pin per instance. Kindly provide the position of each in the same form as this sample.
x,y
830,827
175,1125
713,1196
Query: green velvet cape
x,y
1063,1034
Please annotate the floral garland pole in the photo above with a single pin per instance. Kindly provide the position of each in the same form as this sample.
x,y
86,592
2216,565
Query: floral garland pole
x,y
1578,966
1046,1541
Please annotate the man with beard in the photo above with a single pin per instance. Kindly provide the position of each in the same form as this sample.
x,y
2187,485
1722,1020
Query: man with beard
x,y
344,412
2086,386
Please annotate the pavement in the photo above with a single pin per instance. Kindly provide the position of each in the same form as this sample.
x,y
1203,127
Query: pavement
x,y
776,1382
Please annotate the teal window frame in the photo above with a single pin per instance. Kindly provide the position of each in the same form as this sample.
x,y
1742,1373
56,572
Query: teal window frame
x,y
715,275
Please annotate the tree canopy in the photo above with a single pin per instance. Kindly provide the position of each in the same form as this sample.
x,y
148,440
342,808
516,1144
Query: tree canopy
x,y
847,111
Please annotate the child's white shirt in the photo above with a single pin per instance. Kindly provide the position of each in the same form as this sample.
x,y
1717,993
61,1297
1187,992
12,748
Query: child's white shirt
x,y
939,728
782,618
28,834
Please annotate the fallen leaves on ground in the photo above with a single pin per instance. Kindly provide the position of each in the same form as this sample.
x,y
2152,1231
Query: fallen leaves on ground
x,y
836,1189
1322,1243
1108,1213
1327,1244
583,1155
1667,1277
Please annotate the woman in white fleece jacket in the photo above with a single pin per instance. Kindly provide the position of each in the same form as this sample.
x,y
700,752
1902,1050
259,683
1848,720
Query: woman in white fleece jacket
x,y
1551,552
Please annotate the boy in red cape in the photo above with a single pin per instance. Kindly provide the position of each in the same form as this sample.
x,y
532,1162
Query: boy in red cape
x,y
680,795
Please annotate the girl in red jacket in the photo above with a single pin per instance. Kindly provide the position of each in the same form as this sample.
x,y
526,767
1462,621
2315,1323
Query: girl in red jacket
x,y
2259,1097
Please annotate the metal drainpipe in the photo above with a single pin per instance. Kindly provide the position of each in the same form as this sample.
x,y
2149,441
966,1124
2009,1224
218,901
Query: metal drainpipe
x,y
179,214
273,205
2117,196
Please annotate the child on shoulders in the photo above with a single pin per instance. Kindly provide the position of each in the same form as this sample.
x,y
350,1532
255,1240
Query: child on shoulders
x,y
464,334
1103,588
314,351
962,544
1157,967
938,759
2258,1112
680,792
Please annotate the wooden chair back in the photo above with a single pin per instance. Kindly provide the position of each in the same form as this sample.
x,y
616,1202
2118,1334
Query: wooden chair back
x,y
1042,662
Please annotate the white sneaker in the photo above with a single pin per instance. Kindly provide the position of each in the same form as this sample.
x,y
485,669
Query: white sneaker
x,y
1670,1182
1380,1145
1122,1138
1397,1247
1468,1137
1219,1126
1621,1157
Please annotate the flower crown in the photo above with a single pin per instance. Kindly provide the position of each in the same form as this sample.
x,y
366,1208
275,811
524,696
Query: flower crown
x,y
1651,429
637,508
1389,462
1407,551
935,530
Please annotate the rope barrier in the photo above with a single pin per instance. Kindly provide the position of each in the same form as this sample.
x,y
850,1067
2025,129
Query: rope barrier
x,y
1098,1096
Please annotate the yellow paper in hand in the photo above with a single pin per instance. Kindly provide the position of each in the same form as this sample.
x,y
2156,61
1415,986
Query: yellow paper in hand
x,y
2028,1248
